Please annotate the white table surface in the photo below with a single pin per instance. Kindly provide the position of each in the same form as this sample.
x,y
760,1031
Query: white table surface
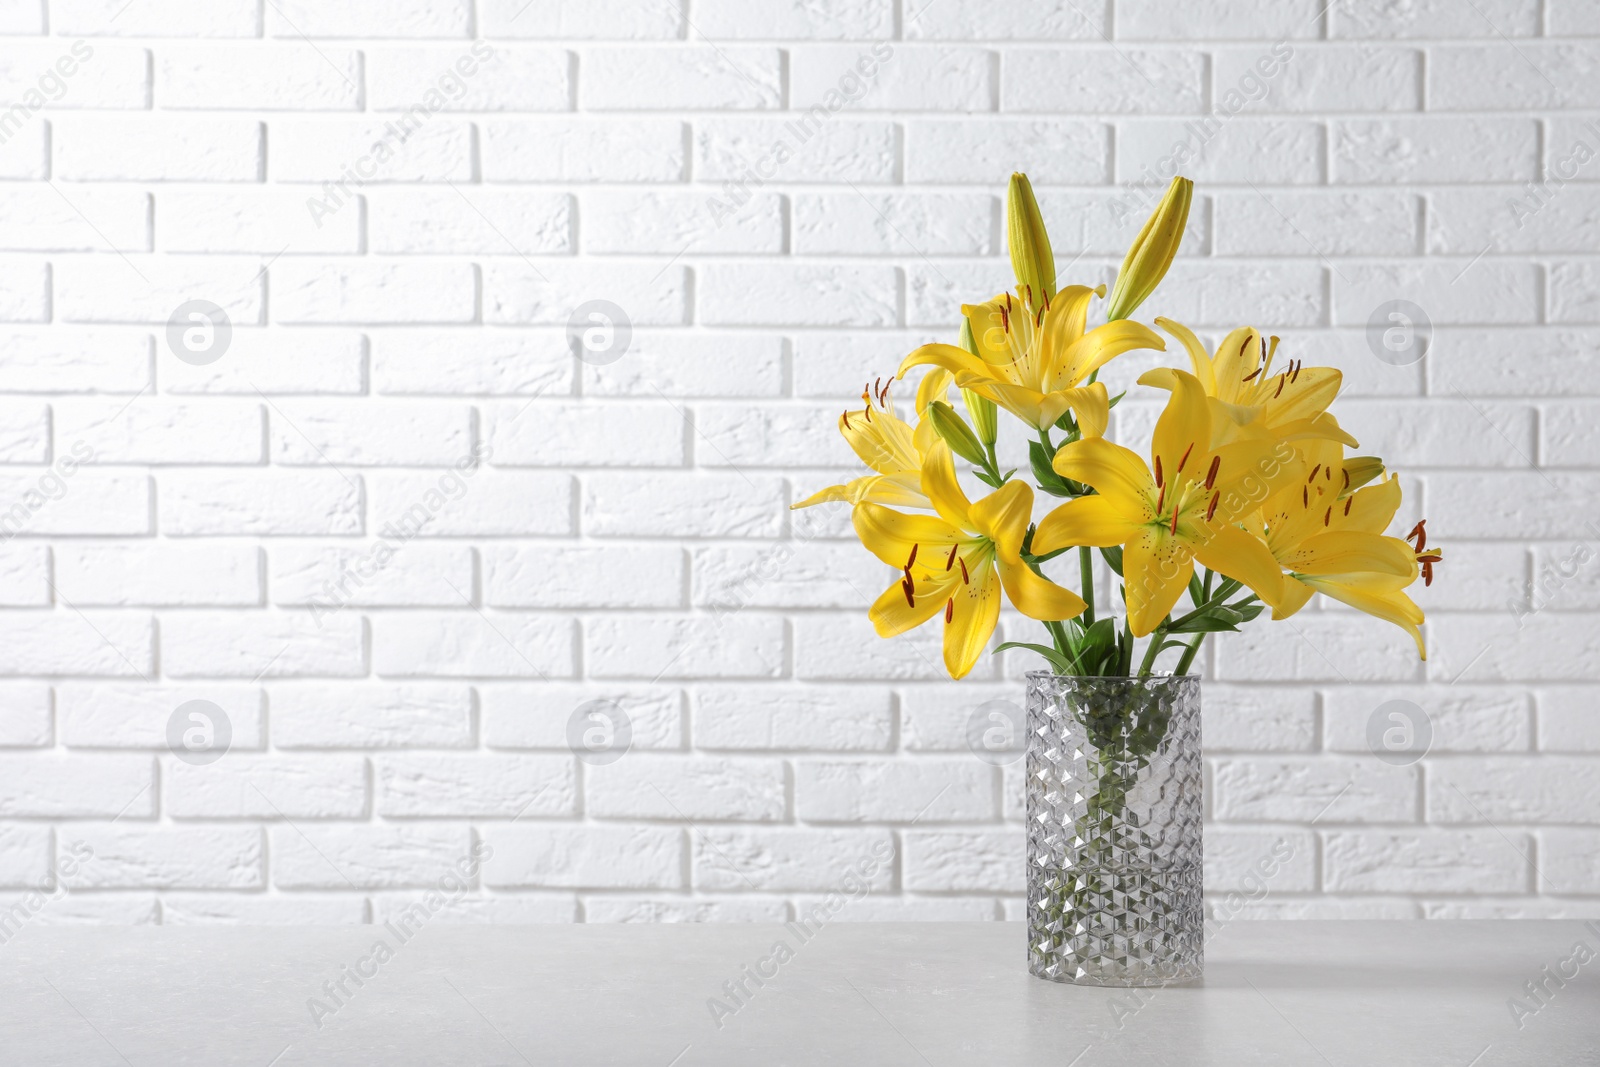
x,y
1337,993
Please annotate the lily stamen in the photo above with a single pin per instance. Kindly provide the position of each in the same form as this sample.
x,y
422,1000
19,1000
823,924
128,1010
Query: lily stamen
x,y
912,558
965,579
949,610
951,562
1212,509
1185,458
1211,475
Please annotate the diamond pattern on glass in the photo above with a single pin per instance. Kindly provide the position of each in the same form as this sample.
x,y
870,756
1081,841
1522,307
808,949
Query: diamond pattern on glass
x,y
1114,830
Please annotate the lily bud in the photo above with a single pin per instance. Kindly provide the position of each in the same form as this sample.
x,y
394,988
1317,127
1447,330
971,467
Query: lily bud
x,y
955,431
1151,252
1361,469
984,415
1031,259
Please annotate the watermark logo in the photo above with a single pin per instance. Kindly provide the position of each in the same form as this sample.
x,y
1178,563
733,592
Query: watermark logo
x,y
51,486
599,332
1399,733
851,86
997,732
1399,333
51,85
199,332
450,85
599,732
199,732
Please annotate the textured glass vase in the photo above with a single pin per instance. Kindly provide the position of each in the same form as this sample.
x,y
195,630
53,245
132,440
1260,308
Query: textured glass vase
x,y
1114,830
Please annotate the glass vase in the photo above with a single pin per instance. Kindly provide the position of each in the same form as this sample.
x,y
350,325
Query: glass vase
x,y
1114,830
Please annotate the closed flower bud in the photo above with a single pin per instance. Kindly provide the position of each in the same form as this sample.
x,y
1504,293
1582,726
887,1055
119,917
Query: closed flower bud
x,y
1361,470
984,414
1151,252
957,434
1031,259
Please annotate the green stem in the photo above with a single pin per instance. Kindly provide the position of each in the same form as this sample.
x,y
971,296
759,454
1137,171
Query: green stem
x,y
1187,659
1086,576
1149,661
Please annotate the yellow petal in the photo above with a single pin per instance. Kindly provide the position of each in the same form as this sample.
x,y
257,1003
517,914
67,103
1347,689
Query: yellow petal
x,y
1239,354
973,617
1309,394
1183,432
892,615
1199,358
1023,402
1374,595
1372,508
1036,597
940,485
1113,470
1350,551
1003,517
896,490
1065,319
880,439
1156,567
1097,348
949,357
1295,595
834,494
935,385
1090,406
1245,558
1095,521
891,535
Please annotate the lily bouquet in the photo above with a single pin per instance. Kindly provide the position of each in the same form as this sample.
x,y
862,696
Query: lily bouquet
x,y
1248,475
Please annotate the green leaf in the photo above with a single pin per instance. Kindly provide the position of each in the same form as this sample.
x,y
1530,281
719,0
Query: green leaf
x,y
1049,481
1248,611
1113,556
1197,592
1115,399
1056,660
1217,620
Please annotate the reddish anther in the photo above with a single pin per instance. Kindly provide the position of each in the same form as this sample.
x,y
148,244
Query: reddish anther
x,y
1211,475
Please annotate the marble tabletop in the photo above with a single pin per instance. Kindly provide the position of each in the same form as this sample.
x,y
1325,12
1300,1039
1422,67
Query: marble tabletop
x,y
1457,994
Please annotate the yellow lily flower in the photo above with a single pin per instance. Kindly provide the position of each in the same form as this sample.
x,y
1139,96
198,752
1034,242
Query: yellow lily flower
x,y
1033,356
1330,539
888,445
957,562
1184,509
1250,401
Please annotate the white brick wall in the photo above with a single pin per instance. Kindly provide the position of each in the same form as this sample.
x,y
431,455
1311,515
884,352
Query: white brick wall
x,y
401,535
